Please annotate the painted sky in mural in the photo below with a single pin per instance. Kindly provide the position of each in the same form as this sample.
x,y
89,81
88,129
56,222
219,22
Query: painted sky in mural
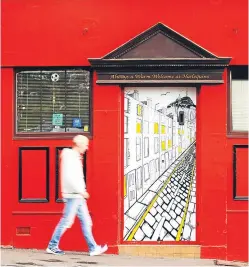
x,y
159,164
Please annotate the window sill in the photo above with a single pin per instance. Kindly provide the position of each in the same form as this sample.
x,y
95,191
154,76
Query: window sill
x,y
237,135
45,136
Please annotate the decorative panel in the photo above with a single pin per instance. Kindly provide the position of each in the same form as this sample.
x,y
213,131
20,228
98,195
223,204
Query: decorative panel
x,y
159,164
240,172
34,174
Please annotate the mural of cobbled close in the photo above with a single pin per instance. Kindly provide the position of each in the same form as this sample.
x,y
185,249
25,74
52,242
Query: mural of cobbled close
x,y
159,164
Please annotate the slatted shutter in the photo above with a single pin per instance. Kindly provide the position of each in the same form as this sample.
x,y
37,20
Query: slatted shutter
x,y
240,105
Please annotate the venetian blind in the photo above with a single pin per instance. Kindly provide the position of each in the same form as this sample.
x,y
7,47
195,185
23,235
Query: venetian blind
x,y
240,105
53,101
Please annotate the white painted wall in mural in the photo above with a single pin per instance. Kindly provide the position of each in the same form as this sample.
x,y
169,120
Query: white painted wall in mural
x,y
159,163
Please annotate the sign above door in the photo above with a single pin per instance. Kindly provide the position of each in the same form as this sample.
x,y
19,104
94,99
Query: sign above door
x,y
160,55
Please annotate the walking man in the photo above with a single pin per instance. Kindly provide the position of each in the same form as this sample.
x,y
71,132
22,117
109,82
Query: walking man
x,y
74,193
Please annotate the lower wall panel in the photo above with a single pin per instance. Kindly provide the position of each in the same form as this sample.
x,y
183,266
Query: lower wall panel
x,y
212,252
35,231
237,236
41,230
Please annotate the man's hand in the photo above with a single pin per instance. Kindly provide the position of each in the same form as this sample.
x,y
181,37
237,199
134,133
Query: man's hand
x,y
85,195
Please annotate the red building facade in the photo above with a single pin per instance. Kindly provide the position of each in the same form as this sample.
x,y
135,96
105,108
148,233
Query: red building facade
x,y
71,42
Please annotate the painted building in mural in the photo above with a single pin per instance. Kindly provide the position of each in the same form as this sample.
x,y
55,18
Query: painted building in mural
x,y
161,91
159,164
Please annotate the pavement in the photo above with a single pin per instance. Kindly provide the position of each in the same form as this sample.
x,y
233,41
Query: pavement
x,y
28,257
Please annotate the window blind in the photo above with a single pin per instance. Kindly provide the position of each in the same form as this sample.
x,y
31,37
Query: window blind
x,y
53,101
240,105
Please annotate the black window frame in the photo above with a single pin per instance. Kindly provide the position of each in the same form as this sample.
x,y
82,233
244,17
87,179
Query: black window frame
x,y
52,135
235,195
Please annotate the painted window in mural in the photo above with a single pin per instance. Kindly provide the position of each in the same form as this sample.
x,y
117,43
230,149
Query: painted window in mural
x,y
156,145
159,164
138,148
127,105
139,178
132,187
146,147
126,150
126,124
146,172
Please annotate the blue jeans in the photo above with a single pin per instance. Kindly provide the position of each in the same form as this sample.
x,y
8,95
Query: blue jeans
x,y
73,207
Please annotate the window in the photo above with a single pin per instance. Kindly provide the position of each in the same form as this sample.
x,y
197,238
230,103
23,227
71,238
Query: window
x,y
163,163
146,172
139,178
156,145
138,126
166,159
163,129
157,165
240,172
139,110
170,143
125,187
152,167
138,148
52,101
126,152
163,143
126,125
146,147
156,128
181,118
238,101
131,184
127,105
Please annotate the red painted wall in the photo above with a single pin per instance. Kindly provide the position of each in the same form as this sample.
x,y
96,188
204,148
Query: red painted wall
x,y
67,33
53,32
103,168
218,229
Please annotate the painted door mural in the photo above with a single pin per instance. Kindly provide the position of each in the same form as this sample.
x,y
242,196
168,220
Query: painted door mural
x,y
159,164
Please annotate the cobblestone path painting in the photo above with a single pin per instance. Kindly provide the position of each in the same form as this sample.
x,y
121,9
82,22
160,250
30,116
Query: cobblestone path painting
x,y
160,176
